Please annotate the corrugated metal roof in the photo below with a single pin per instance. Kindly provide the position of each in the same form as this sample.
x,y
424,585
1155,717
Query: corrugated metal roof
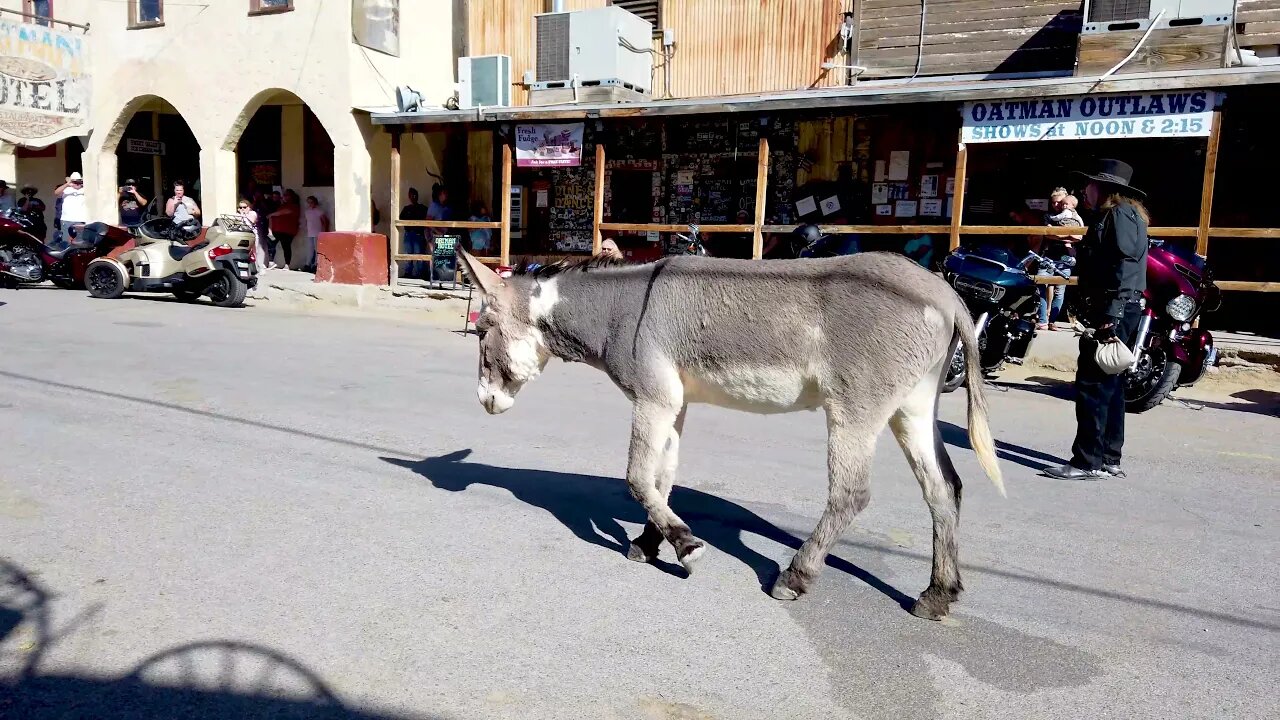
x,y
886,92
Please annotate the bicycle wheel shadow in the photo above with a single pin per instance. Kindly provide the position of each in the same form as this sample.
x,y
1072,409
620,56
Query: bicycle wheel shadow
x,y
210,680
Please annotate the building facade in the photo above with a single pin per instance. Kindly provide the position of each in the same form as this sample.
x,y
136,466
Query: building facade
x,y
227,96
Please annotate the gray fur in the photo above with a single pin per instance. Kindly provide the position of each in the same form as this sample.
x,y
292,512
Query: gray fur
x,y
867,338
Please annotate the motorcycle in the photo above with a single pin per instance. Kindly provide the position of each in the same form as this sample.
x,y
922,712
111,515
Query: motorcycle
x,y
1169,352
1002,297
32,261
223,266
690,244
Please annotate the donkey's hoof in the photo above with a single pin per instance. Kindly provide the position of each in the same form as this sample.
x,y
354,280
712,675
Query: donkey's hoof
x,y
638,554
930,607
781,592
691,553
786,587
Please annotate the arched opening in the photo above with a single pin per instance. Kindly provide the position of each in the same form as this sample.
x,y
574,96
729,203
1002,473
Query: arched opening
x,y
282,146
154,147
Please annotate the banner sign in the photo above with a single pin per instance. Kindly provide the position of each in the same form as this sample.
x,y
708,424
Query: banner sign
x,y
44,83
549,145
1171,114
375,24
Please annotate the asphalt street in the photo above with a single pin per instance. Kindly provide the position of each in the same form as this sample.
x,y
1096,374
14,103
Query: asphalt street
x,y
240,513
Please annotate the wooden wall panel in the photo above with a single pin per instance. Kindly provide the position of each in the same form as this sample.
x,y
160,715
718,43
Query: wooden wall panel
x,y
723,47
1258,23
967,36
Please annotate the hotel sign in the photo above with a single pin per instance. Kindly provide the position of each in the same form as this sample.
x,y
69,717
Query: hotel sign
x,y
44,84
1170,114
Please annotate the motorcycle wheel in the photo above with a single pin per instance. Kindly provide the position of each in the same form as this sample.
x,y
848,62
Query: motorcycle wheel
x,y
956,372
227,290
1150,385
104,281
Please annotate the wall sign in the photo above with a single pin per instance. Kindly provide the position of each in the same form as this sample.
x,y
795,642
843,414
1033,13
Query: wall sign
x,y
549,145
44,84
143,147
1171,114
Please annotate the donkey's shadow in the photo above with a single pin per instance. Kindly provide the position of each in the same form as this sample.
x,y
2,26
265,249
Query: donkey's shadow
x,y
592,507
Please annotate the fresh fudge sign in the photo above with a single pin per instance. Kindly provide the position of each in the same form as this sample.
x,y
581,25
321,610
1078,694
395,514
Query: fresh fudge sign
x,y
1170,114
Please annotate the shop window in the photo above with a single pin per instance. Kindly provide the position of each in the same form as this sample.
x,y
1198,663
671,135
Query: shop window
x,y
146,13
39,12
317,155
266,7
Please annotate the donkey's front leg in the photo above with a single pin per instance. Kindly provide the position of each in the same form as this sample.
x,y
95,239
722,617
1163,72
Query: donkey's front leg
x,y
850,444
652,433
645,547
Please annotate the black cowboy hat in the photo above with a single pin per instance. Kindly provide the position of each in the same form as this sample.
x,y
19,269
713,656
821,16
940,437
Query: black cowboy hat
x,y
1115,174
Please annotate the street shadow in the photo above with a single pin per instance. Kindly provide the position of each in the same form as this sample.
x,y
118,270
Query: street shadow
x,y
592,508
1052,387
1257,401
209,680
956,436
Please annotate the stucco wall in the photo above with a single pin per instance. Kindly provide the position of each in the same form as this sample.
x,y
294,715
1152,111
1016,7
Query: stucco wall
x,y
214,63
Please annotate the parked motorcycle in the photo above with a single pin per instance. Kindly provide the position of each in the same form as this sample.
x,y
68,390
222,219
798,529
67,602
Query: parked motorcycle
x,y
690,244
1002,296
1169,352
33,261
222,266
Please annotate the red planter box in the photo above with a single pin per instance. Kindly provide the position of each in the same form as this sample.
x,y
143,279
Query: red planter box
x,y
352,258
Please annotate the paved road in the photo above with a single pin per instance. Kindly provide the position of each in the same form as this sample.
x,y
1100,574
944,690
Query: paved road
x,y
239,513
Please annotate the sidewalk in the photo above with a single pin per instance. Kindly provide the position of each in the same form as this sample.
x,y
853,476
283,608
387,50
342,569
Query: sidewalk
x,y
294,291
1243,359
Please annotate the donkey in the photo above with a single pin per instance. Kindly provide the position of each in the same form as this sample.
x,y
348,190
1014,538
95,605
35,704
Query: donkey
x,y
867,338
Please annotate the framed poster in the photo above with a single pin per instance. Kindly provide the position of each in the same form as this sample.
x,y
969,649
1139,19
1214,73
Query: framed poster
x,y
375,24
549,145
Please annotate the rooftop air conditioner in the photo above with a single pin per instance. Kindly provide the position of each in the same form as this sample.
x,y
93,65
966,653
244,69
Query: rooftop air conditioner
x,y
484,81
596,55
1103,16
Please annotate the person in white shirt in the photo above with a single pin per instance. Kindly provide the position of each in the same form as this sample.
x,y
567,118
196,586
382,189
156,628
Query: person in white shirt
x,y
181,207
75,206
317,222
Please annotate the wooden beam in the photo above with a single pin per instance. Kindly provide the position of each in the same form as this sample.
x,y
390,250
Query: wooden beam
x,y
393,234
1248,286
866,229
1206,190
504,252
1244,232
597,206
465,224
957,201
663,227
762,186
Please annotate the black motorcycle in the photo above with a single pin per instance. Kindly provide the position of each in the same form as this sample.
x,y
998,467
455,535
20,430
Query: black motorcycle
x,y
1003,299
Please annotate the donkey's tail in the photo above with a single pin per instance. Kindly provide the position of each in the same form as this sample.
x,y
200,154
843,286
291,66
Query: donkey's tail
x,y
979,431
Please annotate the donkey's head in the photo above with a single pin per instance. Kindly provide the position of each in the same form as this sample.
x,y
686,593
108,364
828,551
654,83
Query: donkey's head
x,y
512,349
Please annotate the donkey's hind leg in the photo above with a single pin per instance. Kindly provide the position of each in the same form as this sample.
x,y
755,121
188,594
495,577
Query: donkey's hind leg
x,y
850,445
652,434
916,427
645,547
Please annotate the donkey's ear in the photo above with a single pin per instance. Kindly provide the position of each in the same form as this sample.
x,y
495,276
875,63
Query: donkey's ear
x,y
486,279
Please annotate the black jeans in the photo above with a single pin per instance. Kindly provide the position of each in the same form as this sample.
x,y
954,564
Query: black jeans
x,y
1100,401
285,241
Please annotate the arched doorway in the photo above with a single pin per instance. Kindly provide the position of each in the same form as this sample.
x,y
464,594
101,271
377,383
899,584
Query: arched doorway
x,y
281,145
154,148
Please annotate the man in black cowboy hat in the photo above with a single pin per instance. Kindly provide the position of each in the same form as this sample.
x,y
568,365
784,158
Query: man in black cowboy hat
x,y
1112,271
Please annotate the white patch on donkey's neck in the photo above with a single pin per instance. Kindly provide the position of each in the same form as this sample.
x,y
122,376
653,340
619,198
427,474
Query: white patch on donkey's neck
x,y
544,297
